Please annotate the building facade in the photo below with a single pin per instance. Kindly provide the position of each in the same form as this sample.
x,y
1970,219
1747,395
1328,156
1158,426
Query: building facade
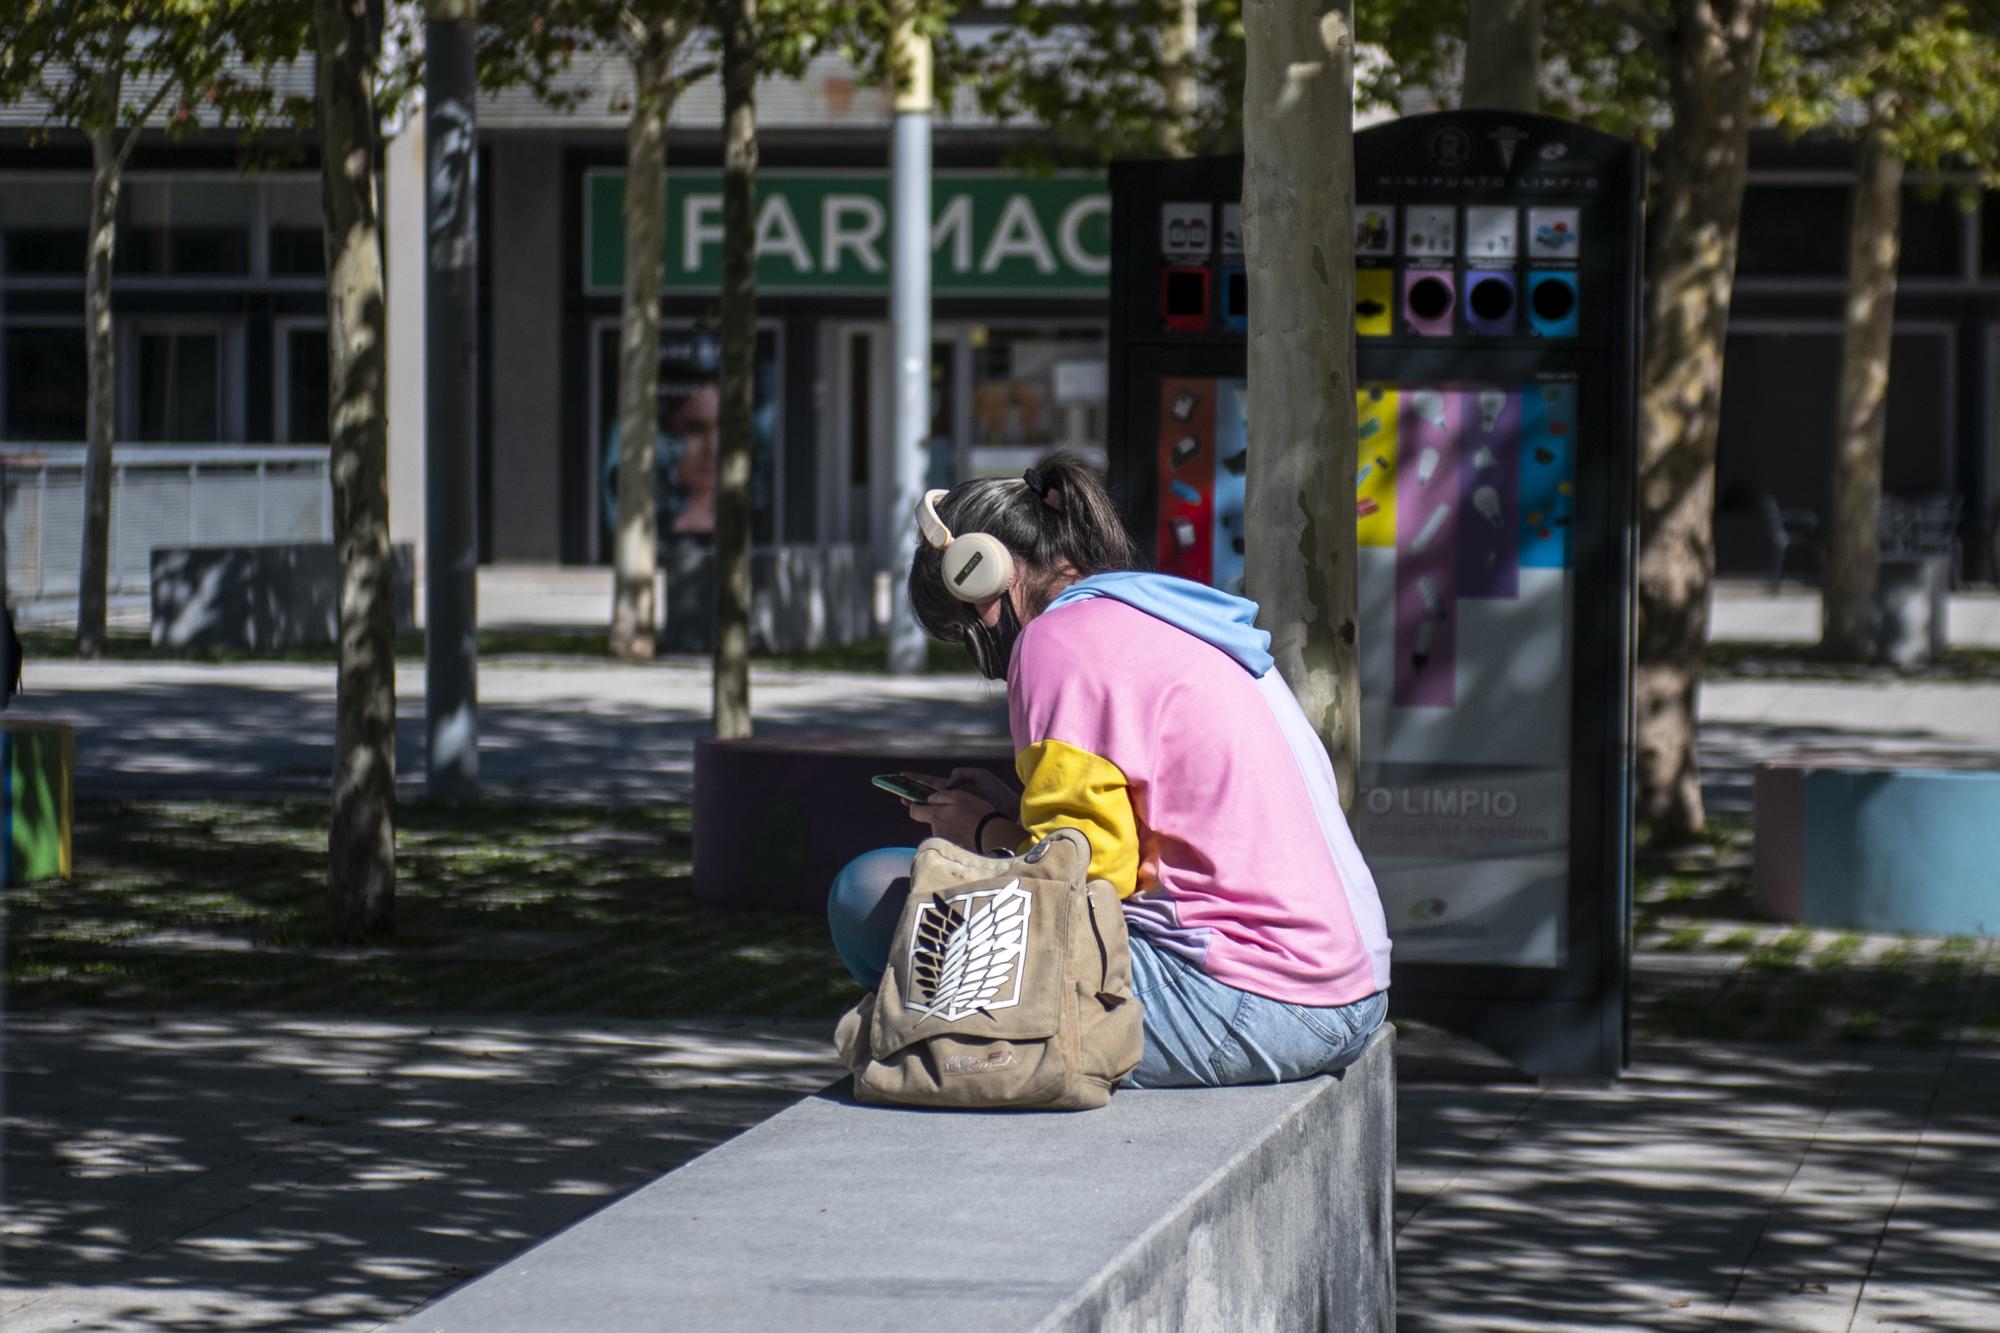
x,y
220,317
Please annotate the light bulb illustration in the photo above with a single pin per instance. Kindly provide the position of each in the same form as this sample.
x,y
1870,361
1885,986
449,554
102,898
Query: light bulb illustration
x,y
1426,634
1487,501
1484,458
1431,528
1427,466
1428,590
1492,402
1430,406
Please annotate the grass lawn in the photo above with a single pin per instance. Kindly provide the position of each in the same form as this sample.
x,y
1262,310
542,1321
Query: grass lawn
x,y
189,905
1705,968
1802,661
584,911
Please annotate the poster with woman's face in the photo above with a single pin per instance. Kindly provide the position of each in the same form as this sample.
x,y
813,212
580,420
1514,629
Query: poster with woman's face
x,y
689,439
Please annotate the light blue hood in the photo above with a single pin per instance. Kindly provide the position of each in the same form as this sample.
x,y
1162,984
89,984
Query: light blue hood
x,y
1211,615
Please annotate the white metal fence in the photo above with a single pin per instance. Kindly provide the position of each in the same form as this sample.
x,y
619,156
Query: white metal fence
x,y
161,495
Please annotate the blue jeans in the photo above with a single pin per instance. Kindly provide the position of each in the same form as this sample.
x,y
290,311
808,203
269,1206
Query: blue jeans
x,y
1199,1032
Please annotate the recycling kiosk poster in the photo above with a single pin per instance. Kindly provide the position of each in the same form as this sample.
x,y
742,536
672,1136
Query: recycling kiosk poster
x,y
1464,501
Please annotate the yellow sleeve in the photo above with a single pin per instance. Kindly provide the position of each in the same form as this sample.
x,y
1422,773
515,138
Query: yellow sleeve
x,y
1063,786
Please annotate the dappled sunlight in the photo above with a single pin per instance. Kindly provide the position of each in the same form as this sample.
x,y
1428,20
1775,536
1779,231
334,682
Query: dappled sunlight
x,y
339,1172
1737,1183
591,732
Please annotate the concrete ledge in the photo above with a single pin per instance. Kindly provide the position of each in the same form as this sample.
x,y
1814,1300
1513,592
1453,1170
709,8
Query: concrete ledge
x,y
801,598
245,598
1231,1210
1863,846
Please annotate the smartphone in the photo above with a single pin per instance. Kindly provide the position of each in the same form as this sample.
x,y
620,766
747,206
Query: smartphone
x,y
907,788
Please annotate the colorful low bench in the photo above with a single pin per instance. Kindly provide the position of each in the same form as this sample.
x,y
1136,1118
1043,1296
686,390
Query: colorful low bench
x,y
37,759
1878,844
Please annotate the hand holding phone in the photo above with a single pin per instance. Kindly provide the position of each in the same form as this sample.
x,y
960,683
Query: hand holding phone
x,y
911,790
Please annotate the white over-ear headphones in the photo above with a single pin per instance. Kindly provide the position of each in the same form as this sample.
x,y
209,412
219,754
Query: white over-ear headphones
x,y
977,566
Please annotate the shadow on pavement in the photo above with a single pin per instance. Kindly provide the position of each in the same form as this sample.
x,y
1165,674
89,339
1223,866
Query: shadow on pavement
x,y
278,1173
1770,1187
180,738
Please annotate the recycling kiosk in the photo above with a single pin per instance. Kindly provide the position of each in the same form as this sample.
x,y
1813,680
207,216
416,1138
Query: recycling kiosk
x,y
1497,262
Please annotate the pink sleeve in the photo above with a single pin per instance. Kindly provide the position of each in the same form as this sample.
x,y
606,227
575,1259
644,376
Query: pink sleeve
x,y
1073,682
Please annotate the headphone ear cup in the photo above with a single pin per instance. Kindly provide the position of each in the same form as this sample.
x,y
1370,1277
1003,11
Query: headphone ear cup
x,y
977,567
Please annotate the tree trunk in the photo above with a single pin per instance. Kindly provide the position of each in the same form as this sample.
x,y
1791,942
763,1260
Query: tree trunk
x,y
1692,239
1180,36
361,883
636,556
1503,55
100,369
1853,541
739,368
1298,204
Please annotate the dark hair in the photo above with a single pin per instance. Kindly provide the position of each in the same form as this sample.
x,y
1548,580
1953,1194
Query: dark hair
x,y
1057,519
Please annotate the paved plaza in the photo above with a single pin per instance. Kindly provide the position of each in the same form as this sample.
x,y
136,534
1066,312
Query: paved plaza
x,y
288,1173
264,1171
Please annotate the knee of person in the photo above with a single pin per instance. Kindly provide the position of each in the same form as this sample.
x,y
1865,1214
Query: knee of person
x,y
862,882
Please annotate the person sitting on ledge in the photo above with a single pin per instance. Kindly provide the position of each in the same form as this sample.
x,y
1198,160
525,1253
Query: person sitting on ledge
x,y
1146,713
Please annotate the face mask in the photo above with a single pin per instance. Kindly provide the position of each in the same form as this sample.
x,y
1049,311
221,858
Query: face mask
x,y
991,647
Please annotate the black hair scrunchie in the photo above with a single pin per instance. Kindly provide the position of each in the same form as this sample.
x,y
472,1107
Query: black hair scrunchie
x,y
1041,484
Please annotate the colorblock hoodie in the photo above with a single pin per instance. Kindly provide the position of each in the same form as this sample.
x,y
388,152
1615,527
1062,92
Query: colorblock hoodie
x,y
1145,712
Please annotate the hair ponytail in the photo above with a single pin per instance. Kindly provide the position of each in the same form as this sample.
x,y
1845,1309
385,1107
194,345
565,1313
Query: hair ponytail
x,y
1058,518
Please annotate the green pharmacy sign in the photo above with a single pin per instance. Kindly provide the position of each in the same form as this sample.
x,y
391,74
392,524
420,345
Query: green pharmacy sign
x,y
829,232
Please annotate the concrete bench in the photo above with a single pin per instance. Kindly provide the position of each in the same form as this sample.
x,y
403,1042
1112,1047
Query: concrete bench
x,y
776,817
260,597
1861,843
1231,1211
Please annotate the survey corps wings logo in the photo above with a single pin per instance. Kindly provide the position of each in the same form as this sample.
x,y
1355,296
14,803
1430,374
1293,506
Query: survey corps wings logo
x,y
968,952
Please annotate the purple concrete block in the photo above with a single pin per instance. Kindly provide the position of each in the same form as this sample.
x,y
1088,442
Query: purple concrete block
x,y
776,817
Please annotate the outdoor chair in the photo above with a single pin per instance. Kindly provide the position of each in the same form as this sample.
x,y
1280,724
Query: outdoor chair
x,y
1783,529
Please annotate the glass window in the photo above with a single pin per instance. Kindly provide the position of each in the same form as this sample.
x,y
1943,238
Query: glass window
x,y
1034,389
44,387
1794,231
185,228
1989,235
292,210
42,226
1932,220
179,387
688,426
305,385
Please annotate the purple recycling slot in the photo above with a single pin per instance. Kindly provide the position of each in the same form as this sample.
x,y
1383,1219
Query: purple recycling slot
x,y
1492,304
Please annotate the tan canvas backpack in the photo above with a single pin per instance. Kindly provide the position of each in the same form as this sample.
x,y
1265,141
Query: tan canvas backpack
x,y
1009,986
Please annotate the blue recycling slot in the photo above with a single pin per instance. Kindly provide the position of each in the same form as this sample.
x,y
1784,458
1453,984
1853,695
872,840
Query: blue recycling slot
x,y
1552,304
1236,299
